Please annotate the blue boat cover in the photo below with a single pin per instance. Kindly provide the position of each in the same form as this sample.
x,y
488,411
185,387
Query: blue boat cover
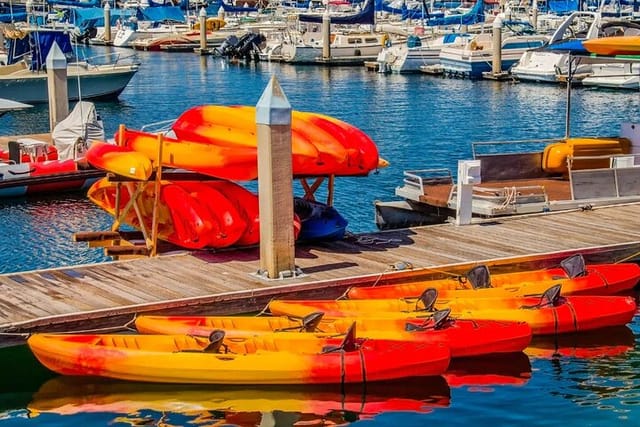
x,y
366,16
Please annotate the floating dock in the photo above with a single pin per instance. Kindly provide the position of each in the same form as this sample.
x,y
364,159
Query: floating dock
x,y
110,294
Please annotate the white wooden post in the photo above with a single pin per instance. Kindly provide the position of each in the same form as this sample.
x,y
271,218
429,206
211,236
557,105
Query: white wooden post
x,y
57,86
107,23
468,175
275,183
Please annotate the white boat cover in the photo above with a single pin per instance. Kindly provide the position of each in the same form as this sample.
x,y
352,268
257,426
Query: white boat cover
x,y
73,135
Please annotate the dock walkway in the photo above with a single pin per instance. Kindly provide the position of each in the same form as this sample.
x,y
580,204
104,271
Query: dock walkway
x,y
225,282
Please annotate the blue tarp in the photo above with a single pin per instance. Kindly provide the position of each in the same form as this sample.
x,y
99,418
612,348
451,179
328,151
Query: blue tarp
x,y
235,9
366,16
563,6
74,3
13,17
475,15
38,44
86,18
163,13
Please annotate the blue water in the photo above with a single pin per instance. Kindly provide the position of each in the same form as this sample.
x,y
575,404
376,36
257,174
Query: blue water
x,y
417,122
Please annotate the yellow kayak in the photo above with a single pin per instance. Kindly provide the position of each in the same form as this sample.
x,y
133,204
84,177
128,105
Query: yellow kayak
x,y
273,359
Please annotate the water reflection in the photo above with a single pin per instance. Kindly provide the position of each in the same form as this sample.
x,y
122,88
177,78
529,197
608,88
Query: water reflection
x,y
485,372
585,345
277,405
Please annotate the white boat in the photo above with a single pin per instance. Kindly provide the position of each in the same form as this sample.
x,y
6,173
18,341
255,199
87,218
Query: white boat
x,y
552,65
417,52
475,57
24,79
623,75
345,48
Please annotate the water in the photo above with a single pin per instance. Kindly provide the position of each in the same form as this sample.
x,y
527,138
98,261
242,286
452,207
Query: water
x,y
418,122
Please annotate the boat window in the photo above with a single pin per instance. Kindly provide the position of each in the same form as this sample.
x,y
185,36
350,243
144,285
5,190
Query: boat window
x,y
371,40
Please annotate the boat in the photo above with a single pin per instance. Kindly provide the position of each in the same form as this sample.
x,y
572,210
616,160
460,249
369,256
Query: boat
x,y
546,315
463,337
318,221
31,165
7,105
417,52
65,395
25,80
475,57
191,214
575,277
551,65
523,177
614,75
282,359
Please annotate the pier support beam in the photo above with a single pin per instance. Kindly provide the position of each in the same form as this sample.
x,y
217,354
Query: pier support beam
x,y
275,184
57,86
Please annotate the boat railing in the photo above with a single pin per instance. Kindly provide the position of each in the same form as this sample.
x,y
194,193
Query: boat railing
x,y
513,146
418,179
111,59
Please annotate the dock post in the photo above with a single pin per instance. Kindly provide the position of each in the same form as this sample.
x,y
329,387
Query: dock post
x,y
202,16
57,86
275,183
534,15
496,66
468,176
107,23
326,35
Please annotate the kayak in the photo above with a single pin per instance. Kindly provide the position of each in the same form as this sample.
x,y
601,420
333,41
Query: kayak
x,y
549,314
611,46
64,395
281,359
575,277
463,337
321,145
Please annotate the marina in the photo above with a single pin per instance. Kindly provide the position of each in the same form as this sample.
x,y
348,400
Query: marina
x,y
51,283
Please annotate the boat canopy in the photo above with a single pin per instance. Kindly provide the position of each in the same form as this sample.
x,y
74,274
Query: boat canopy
x,y
74,3
38,44
235,9
86,18
163,13
365,16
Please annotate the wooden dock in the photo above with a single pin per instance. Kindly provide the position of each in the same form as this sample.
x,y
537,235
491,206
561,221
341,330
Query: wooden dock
x,y
225,282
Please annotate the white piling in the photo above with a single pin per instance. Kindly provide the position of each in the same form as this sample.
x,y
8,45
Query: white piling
x,y
202,16
468,176
107,23
326,34
496,66
57,86
275,183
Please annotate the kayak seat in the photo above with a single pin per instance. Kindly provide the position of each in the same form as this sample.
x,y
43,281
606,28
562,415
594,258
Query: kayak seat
x,y
437,321
574,266
550,297
216,341
349,343
428,299
309,323
479,277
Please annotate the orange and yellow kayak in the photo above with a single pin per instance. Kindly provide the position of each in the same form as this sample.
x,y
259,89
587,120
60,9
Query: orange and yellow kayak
x,y
565,314
611,46
273,359
595,279
464,337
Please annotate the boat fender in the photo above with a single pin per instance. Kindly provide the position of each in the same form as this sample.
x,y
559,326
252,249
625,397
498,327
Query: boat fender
x,y
386,40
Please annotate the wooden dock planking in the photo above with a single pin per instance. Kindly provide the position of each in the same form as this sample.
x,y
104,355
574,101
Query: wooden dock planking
x,y
225,281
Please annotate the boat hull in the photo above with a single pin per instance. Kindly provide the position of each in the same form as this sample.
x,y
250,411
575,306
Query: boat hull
x,y
294,359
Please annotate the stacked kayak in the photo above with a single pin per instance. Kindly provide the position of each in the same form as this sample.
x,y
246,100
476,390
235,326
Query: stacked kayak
x,y
273,359
191,214
575,277
463,337
546,314
221,141
319,221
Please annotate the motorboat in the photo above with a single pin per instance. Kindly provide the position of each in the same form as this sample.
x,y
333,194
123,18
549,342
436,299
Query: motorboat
x,y
551,65
344,47
417,52
475,57
24,78
621,75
